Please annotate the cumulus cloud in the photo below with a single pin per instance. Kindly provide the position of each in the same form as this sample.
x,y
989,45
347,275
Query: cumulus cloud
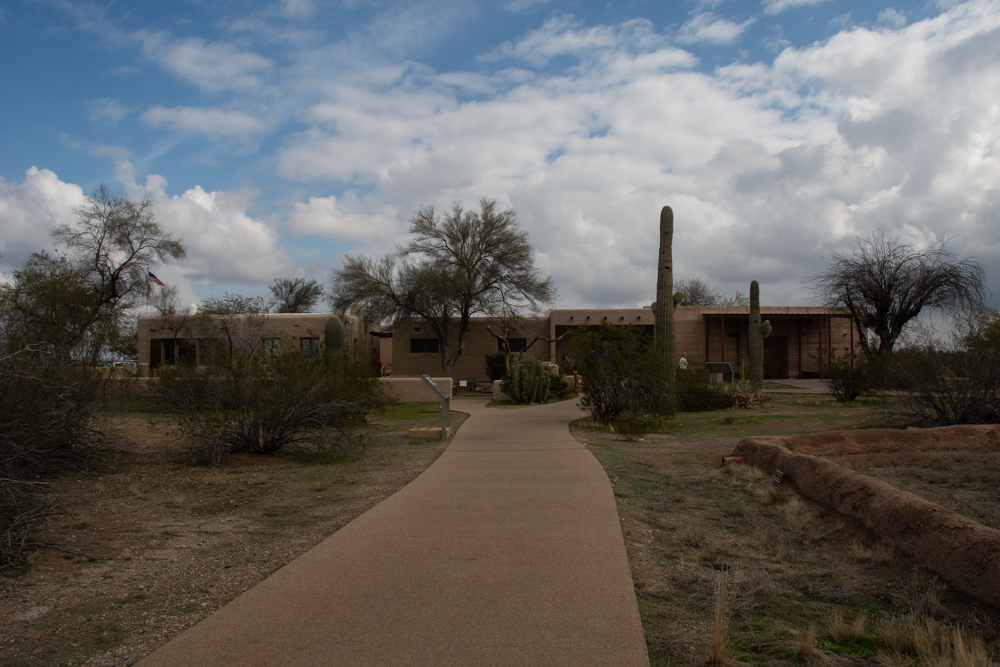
x,y
342,220
211,122
776,164
30,210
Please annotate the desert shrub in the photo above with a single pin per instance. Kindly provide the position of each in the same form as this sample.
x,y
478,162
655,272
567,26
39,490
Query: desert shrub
x,y
695,396
252,406
847,380
528,382
746,395
634,426
621,373
944,387
49,420
496,366
558,389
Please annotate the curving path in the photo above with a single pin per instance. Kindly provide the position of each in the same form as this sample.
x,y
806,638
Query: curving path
x,y
506,551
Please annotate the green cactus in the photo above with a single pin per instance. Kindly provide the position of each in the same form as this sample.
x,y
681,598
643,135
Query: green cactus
x,y
527,382
333,335
666,299
758,332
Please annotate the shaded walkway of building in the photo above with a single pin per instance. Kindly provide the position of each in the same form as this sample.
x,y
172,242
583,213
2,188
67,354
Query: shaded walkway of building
x,y
507,550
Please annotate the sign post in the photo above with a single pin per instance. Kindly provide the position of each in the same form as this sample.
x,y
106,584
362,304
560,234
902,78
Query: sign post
x,y
445,403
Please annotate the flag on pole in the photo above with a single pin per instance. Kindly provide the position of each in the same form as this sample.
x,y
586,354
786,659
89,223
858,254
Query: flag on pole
x,y
154,280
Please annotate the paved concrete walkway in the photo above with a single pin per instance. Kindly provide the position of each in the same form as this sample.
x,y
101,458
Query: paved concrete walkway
x,y
506,551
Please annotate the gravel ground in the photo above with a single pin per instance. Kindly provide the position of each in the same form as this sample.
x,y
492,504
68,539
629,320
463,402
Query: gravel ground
x,y
153,544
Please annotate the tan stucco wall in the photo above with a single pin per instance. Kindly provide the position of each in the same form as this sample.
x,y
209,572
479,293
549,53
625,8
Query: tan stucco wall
x,y
293,326
413,390
478,343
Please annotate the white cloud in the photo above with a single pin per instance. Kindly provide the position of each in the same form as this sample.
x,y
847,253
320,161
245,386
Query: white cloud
x,y
211,122
343,219
778,6
30,210
775,165
706,27
107,110
211,66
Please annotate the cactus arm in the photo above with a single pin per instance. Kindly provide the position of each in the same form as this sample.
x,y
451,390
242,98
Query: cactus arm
x,y
678,297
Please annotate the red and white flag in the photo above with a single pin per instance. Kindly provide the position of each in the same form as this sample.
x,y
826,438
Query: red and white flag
x,y
154,280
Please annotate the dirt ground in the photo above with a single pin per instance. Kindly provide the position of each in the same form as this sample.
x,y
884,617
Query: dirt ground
x,y
151,543
786,569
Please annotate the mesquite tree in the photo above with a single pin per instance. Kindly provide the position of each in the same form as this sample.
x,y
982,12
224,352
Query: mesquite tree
x,y
886,284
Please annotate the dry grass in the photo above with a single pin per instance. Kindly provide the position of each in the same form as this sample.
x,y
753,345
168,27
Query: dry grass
x,y
720,621
791,566
805,645
912,641
843,631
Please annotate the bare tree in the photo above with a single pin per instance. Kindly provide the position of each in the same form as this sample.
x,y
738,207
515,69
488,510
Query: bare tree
x,y
464,263
294,295
698,292
886,283
111,245
240,320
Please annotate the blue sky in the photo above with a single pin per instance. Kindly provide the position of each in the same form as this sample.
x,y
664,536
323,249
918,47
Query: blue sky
x,y
274,137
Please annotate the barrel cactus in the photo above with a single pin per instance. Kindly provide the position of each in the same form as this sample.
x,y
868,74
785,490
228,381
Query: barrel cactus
x,y
758,332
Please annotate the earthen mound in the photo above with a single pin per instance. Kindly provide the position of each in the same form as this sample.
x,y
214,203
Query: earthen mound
x,y
962,551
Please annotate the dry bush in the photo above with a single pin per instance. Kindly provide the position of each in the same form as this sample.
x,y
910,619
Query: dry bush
x,y
252,406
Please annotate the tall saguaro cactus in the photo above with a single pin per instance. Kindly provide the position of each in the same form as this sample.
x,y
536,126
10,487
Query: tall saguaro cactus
x,y
333,335
666,300
758,332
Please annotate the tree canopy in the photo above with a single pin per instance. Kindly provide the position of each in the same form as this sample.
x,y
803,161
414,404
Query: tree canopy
x,y
463,263
698,292
294,295
79,301
886,284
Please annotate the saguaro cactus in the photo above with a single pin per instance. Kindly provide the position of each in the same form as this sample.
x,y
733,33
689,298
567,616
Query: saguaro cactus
x,y
758,332
333,335
666,299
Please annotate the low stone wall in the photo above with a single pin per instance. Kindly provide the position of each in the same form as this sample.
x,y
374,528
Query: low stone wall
x,y
413,390
962,551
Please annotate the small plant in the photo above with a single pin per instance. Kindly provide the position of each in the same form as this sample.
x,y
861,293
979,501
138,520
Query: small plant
x,y
848,379
720,621
633,426
746,395
496,366
805,646
528,382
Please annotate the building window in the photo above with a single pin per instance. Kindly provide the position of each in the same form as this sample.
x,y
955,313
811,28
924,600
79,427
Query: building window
x,y
309,346
516,344
423,345
272,349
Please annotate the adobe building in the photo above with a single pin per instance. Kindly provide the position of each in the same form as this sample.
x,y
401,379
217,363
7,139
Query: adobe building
x,y
802,340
